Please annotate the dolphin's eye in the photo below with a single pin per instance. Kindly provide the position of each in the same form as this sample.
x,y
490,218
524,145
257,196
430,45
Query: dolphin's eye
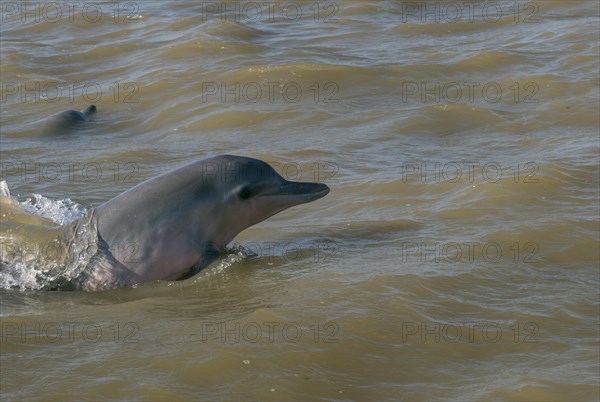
x,y
245,193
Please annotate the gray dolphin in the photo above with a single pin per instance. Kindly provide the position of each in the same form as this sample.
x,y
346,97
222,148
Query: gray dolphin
x,y
68,120
171,226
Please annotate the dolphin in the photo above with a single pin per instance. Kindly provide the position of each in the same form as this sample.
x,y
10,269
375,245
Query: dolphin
x,y
173,225
68,120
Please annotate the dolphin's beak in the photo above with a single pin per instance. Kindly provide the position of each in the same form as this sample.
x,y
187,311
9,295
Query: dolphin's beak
x,y
298,192
282,196
285,195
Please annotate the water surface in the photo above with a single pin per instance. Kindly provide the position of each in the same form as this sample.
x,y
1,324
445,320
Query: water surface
x,y
456,256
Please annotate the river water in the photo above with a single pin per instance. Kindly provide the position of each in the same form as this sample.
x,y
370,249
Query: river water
x,y
456,256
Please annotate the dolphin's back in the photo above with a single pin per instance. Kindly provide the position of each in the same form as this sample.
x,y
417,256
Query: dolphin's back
x,y
68,120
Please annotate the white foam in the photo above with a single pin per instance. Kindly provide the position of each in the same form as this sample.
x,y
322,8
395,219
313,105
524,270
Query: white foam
x,y
28,274
59,211
19,275
4,189
236,253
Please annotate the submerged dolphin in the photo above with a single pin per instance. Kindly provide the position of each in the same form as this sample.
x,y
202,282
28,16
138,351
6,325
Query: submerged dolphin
x,y
173,225
68,120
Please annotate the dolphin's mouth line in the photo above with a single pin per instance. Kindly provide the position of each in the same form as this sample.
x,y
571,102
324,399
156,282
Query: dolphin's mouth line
x,y
296,198
299,191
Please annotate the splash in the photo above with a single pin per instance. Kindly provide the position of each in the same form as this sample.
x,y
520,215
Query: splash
x,y
34,257
59,211
19,276
235,253
4,189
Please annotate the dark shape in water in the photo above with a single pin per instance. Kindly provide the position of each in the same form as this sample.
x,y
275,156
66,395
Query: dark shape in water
x,y
68,120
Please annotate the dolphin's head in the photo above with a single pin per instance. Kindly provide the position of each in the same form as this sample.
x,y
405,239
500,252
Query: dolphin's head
x,y
178,220
89,111
250,191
